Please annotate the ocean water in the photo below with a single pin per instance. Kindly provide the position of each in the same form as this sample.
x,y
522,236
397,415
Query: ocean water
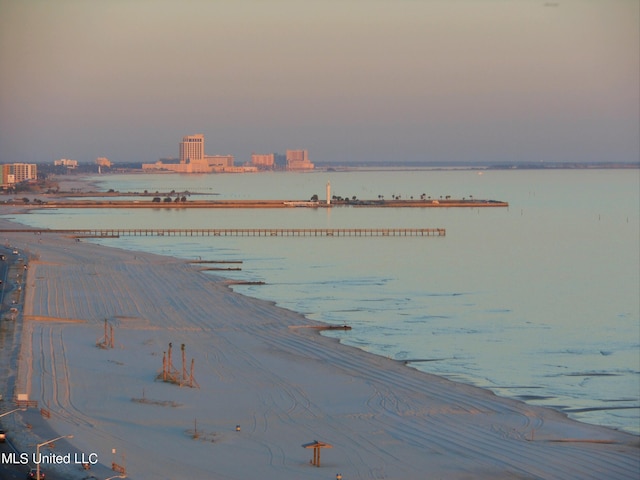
x,y
538,301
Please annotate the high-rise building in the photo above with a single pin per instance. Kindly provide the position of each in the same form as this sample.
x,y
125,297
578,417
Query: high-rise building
x,y
192,148
194,160
18,172
298,160
264,161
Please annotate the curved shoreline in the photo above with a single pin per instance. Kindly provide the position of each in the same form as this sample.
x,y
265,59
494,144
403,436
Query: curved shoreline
x,y
287,384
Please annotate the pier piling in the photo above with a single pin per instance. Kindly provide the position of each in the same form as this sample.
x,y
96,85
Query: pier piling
x,y
239,232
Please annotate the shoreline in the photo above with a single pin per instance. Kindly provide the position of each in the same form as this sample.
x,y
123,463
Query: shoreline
x,y
323,388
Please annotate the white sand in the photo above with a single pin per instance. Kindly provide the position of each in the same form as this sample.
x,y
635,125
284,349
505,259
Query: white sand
x,y
284,385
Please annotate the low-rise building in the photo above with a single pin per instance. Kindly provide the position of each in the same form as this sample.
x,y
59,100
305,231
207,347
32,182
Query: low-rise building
x,y
219,161
103,162
65,162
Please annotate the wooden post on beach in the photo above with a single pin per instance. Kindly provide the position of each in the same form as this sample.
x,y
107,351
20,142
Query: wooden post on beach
x,y
164,366
184,365
192,382
172,373
107,340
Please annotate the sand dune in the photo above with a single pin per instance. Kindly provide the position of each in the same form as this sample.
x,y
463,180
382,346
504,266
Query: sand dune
x,y
284,386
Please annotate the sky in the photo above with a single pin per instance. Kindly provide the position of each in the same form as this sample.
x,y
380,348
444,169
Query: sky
x,y
487,81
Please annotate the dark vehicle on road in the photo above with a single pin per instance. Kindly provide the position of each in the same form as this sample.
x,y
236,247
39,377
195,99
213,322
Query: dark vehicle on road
x,y
33,473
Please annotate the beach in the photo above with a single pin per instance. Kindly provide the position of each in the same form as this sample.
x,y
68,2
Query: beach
x,y
264,383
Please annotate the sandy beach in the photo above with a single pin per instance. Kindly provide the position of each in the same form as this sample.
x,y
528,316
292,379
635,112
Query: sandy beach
x,y
264,369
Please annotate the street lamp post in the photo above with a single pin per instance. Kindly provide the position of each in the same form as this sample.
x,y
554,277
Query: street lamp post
x,y
38,452
11,411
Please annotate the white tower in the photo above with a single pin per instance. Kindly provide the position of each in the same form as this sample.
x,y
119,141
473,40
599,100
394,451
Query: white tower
x,y
328,193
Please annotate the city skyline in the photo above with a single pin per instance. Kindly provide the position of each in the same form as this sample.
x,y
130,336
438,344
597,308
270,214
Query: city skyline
x,y
353,81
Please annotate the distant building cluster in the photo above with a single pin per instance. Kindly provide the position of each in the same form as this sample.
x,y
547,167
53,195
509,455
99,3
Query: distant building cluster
x,y
69,165
193,159
65,162
263,161
293,160
13,173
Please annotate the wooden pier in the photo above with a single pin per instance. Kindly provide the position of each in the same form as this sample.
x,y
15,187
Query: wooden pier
x,y
237,232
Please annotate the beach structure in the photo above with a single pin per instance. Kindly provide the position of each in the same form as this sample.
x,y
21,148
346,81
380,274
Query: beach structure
x,y
107,340
170,374
328,193
239,232
316,446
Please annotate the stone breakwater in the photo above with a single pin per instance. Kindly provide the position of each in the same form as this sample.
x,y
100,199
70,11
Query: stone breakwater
x,y
84,203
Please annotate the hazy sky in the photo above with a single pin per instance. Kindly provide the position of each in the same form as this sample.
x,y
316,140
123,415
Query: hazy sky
x,y
363,80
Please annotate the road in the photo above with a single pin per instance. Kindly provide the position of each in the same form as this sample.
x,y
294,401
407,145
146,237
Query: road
x,y
10,466
8,471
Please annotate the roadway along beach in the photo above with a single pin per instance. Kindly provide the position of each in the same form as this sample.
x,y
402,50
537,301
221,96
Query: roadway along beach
x,y
261,368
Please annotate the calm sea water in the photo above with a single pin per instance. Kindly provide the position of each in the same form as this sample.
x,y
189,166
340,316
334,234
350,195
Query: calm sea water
x,y
539,301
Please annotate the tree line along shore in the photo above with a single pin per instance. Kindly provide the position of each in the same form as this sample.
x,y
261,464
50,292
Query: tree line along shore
x,y
79,192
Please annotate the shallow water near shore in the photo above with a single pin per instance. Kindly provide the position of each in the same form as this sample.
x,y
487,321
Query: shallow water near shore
x,y
537,301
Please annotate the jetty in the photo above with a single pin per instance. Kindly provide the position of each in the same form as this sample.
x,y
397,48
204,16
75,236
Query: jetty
x,y
177,203
235,232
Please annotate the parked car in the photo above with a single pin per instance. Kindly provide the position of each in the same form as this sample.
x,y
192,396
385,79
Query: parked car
x,y
33,473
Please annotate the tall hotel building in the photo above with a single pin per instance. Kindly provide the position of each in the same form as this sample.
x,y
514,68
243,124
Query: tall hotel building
x,y
18,172
263,161
192,148
298,160
194,160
